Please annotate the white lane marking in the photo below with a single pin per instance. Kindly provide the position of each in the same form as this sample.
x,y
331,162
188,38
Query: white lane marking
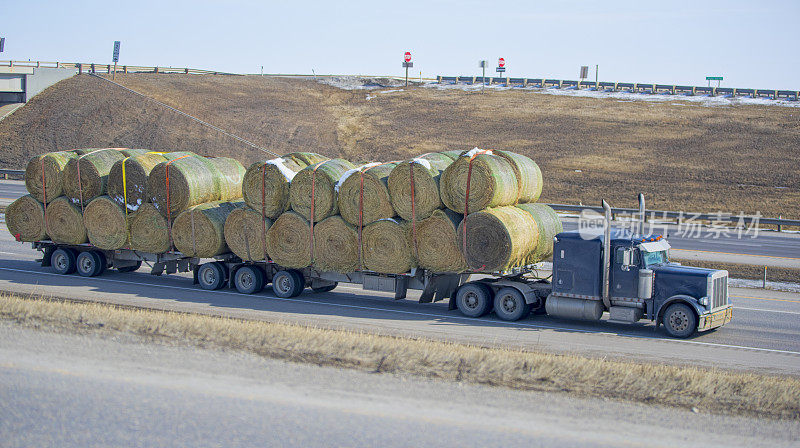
x,y
7,253
766,311
416,313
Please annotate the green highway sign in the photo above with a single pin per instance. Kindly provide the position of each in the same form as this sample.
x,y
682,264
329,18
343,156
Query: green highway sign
x,y
713,78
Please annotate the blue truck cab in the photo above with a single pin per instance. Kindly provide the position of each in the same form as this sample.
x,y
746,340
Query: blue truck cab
x,y
635,280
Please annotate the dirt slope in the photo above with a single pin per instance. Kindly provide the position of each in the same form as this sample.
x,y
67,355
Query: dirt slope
x,y
681,155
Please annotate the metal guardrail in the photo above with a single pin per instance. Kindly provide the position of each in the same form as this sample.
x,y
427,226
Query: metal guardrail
x,y
12,174
647,87
685,216
91,67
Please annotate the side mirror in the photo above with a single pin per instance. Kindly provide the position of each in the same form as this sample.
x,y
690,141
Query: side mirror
x,y
627,258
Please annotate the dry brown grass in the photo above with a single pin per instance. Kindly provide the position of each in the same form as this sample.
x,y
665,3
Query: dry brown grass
x,y
681,155
747,271
707,389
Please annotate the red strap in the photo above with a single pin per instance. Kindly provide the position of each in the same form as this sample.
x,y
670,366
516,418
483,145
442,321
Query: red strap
x,y
169,213
361,211
413,210
44,196
313,201
466,200
263,209
18,237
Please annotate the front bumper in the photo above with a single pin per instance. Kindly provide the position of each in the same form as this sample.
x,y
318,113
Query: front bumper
x,y
714,319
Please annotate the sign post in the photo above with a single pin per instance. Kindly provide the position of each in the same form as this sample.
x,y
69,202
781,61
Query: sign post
x,y
714,78
482,65
116,58
2,43
407,64
501,65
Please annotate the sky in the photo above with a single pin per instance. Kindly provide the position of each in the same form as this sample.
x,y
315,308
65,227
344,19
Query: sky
x,y
752,44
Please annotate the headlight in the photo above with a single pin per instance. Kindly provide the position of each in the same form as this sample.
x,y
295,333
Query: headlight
x,y
704,301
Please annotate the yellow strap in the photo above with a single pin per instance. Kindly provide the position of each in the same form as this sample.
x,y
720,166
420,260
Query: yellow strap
x,y
125,195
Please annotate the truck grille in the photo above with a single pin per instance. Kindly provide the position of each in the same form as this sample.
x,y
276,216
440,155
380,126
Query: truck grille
x,y
719,291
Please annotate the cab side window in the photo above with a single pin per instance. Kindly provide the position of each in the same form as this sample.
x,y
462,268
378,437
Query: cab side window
x,y
619,256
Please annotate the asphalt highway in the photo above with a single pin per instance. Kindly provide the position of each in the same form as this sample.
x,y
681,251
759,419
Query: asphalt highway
x,y
764,335
86,390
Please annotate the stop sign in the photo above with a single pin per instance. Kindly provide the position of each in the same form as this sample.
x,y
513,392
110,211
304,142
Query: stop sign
x,y
501,62
407,56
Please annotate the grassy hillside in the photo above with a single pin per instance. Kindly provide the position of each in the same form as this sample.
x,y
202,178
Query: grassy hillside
x,y
681,155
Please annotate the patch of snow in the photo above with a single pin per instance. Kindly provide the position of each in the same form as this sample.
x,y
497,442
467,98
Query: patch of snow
x,y
626,96
281,164
388,219
349,173
758,284
578,171
423,162
390,91
359,83
134,207
474,151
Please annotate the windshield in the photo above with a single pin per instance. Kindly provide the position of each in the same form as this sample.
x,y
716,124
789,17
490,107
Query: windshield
x,y
651,258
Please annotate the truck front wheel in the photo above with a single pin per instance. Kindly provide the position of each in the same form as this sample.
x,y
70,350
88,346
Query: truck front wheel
x,y
474,299
680,321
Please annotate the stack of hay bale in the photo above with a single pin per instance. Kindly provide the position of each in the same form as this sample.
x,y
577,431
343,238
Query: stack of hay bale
x,y
128,198
394,216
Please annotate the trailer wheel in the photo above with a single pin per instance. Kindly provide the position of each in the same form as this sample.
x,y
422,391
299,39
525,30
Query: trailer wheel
x,y
88,264
679,321
474,299
328,288
301,280
287,284
509,304
211,276
135,267
63,261
249,279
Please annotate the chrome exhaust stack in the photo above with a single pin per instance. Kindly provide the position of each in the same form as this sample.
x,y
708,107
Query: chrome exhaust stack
x,y
606,254
641,214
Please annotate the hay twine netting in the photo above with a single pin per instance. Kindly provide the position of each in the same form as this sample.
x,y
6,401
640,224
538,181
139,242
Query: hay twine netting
x,y
246,234
427,170
65,222
386,246
335,245
25,219
199,230
266,182
106,223
363,207
149,231
325,176
289,241
492,182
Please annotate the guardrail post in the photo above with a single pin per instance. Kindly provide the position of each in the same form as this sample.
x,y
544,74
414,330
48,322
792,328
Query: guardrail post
x,y
559,83
186,71
713,91
125,69
779,226
155,69
615,86
92,67
694,91
775,95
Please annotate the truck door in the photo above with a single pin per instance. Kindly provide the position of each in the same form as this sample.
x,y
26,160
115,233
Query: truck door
x,y
625,279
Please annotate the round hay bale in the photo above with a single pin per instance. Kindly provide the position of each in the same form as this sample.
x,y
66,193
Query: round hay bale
x,y
386,246
106,223
192,181
326,177
94,168
65,222
549,226
498,238
134,183
149,231
493,182
335,245
289,241
437,242
132,152
270,180
246,234
427,171
228,175
25,219
528,173
376,202
199,230
53,164
453,154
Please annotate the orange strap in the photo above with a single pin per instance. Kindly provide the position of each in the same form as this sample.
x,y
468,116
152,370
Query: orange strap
x,y
466,202
169,213
413,210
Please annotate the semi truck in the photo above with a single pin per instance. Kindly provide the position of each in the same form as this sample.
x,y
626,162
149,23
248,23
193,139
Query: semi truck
x,y
625,274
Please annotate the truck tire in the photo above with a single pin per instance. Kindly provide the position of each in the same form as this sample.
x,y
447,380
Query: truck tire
x,y
474,299
63,261
287,284
211,276
680,321
89,264
249,279
509,304
328,288
301,280
135,267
